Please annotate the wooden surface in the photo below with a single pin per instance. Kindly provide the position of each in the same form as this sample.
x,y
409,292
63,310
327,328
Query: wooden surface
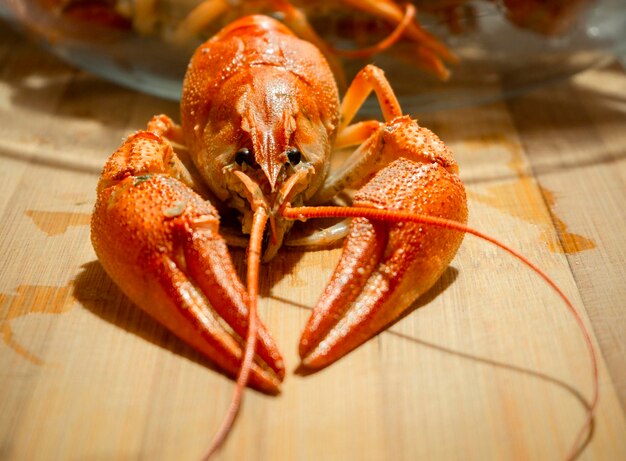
x,y
489,366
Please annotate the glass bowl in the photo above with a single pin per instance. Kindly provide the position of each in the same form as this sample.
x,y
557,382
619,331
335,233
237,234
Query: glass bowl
x,y
501,47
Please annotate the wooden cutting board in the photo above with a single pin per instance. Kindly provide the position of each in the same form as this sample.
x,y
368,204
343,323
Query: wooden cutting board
x,y
489,365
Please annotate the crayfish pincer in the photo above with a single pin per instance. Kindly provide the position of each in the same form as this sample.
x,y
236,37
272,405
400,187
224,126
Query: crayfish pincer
x,y
261,118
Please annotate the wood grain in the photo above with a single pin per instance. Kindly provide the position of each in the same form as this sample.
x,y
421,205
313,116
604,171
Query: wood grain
x,y
488,366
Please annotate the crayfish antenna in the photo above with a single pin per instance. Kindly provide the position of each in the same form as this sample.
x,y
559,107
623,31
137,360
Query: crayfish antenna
x,y
403,216
254,260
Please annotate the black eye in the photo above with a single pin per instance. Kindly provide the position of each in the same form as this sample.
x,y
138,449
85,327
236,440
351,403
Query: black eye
x,y
243,155
294,156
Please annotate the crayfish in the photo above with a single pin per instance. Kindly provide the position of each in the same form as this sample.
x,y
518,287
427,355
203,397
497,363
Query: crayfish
x,y
261,118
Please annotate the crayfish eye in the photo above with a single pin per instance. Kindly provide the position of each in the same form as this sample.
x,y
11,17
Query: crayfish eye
x,y
243,156
294,156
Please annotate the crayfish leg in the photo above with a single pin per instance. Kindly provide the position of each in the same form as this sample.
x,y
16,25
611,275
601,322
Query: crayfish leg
x,y
379,143
199,18
401,137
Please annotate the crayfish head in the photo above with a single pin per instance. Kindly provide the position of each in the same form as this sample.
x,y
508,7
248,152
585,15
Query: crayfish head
x,y
266,143
259,102
284,147
283,127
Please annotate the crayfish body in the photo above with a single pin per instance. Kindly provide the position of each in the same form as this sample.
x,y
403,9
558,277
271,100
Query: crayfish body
x,y
261,119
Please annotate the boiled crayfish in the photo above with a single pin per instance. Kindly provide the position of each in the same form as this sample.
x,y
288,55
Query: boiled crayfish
x,y
183,24
261,117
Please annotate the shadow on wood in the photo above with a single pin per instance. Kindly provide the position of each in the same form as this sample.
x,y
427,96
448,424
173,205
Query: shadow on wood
x,y
95,290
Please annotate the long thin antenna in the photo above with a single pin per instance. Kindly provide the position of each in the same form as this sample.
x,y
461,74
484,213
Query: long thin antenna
x,y
254,259
403,216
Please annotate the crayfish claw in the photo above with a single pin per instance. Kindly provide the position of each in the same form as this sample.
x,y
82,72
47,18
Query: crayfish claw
x,y
385,266
158,240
